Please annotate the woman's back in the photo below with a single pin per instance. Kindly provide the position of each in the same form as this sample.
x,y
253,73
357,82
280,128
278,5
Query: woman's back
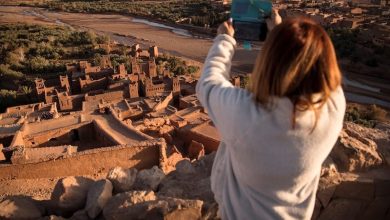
x,y
266,166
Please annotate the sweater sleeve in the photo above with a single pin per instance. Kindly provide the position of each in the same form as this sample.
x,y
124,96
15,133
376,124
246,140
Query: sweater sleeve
x,y
214,90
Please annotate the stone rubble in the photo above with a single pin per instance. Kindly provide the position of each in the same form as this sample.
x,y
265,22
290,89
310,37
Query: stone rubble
x,y
70,194
20,207
355,152
184,192
98,195
149,179
122,179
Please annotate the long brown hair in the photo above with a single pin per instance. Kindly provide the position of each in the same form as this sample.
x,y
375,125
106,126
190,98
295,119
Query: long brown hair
x,y
297,61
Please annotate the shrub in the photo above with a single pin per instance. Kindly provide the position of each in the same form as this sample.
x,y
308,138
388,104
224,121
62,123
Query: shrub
x,y
10,74
192,69
377,113
367,118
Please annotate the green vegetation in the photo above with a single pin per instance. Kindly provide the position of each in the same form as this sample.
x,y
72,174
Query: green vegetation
x,y
366,117
195,12
176,65
348,44
245,81
30,51
344,41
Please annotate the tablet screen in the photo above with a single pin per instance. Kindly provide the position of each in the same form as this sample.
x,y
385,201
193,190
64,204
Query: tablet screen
x,y
250,31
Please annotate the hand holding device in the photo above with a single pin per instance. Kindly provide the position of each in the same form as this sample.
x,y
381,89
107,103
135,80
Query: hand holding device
x,y
274,20
226,28
249,19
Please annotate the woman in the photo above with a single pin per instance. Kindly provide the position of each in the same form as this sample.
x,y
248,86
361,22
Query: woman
x,y
276,135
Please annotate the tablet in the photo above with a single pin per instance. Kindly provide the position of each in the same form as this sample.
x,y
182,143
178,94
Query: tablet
x,y
249,19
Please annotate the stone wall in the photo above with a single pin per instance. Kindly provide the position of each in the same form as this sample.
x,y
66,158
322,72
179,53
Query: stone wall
x,y
141,156
17,140
53,137
34,155
90,85
48,125
188,136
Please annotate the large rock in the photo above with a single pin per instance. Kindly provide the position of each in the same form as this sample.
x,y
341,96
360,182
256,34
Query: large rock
x,y
196,150
2,156
170,164
183,209
70,194
80,215
190,182
19,207
122,179
144,205
329,168
380,135
53,217
356,190
354,152
185,167
149,179
122,201
155,209
98,195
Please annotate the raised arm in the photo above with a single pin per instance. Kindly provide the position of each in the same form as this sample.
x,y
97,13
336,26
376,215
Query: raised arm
x,y
214,90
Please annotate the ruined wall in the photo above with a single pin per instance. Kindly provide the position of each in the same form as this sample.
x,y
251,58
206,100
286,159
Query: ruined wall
x,y
48,125
109,96
102,135
116,85
17,110
210,144
9,129
126,114
59,136
90,85
34,155
151,89
6,140
87,132
77,102
163,104
130,129
65,103
49,139
133,90
17,140
143,156
70,103
92,69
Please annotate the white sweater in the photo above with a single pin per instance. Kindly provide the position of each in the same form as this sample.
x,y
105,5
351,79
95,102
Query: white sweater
x,y
263,169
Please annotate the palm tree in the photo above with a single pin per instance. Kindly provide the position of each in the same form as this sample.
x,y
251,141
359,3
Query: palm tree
x,y
26,90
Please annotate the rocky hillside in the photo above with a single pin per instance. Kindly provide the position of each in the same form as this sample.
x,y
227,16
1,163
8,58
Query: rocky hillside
x,y
355,184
